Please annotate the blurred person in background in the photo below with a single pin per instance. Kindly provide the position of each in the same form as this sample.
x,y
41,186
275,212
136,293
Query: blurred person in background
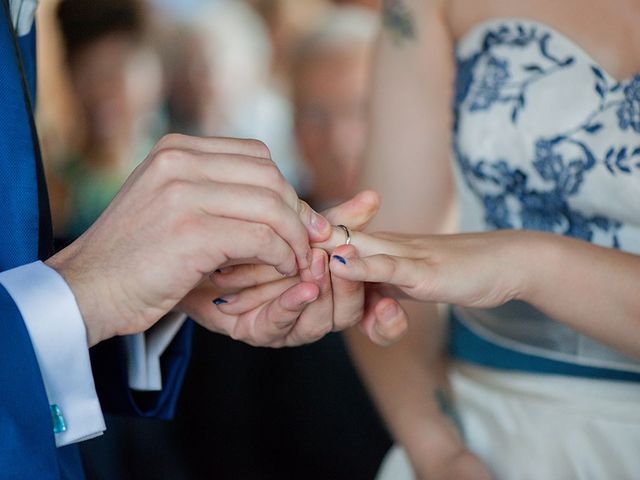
x,y
284,413
178,217
372,4
523,116
330,85
288,21
220,80
281,413
538,109
116,81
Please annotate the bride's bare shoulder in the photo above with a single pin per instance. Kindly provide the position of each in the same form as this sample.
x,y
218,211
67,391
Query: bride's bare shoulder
x,y
607,30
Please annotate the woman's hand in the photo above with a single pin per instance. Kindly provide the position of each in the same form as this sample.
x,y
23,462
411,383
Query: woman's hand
x,y
474,270
302,308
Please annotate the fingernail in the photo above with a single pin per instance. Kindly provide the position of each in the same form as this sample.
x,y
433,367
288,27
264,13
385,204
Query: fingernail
x,y
342,260
390,312
219,301
318,265
223,270
319,223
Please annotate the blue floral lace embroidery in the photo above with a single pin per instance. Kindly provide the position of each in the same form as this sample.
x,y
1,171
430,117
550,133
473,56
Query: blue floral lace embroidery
x,y
561,161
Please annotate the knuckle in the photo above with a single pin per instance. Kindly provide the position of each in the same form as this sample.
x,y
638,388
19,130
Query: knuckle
x,y
241,333
394,332
165,161
391,267
426,284
169,139
349,321
270,202
175,193
278,343
263,235
314,333
348,288
192,228
290,263
273,175
260,148
289,193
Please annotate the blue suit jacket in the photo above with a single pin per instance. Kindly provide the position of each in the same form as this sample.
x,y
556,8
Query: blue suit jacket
x,y
27,445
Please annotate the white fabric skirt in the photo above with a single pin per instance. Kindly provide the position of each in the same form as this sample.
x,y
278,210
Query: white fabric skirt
x,y
542,427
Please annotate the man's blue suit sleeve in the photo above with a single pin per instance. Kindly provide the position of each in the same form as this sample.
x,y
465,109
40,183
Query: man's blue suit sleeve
x,y
27,447
108,361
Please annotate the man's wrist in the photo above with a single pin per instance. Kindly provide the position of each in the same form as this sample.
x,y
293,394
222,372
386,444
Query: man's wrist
x,y
59,338
62,263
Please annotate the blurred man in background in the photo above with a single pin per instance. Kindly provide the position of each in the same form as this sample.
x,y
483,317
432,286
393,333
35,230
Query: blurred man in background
x,y
244,413
298,413
219,68
330,92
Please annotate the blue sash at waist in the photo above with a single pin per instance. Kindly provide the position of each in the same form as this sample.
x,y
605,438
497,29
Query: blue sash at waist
x,y
465,344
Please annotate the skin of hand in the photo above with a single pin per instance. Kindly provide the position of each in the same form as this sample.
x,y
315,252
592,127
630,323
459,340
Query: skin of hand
x,y
473,270
408,162
339,304
194,205
485,270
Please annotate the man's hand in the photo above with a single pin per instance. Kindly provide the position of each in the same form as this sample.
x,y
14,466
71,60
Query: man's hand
x,y
194,205
304,308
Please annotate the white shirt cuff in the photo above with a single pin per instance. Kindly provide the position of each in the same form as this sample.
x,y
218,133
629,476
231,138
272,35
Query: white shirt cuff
x,y
145,349
59,339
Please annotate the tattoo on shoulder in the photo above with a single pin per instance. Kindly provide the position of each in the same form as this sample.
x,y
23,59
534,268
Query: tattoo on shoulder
x,y
398,20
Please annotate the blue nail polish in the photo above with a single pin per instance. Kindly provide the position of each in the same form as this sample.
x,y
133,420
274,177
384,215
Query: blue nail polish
x,y
342,260
219,301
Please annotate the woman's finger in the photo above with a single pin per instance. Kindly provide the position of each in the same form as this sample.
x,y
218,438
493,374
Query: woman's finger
x,y
365,243
384,321
250,298
274,322
348,302
245,276
402,272
356,212
317,319
269,323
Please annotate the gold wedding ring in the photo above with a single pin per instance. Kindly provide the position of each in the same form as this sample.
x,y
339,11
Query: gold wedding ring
x,y
346,232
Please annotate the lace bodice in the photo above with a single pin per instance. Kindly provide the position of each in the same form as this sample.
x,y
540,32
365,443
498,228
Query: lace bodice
x,y
544,139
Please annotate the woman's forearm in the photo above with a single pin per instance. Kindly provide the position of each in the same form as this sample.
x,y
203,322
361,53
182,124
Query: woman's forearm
x,y
592,289
408,383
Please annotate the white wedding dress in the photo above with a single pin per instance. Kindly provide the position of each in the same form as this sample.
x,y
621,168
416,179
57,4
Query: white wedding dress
x,y
544,139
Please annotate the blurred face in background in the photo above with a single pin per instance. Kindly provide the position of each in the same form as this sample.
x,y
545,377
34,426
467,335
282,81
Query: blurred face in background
x,y
191,88
116,81
330,94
